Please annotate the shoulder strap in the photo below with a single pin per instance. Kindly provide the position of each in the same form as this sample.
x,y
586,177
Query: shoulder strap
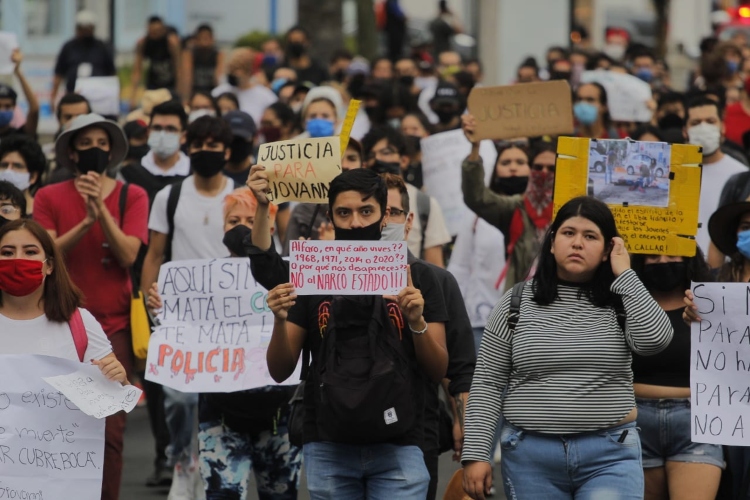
x,y
80,337
423,212
123,202
514,313
174,197
305,363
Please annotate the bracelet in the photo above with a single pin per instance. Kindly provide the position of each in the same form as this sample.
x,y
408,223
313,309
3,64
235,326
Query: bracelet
x,y
418,332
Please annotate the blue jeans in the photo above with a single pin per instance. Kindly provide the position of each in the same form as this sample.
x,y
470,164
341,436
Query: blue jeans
x,y
180,410
358,472
600,465
665,434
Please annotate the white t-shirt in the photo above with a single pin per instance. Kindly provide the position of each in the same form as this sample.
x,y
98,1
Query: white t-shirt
x,y
182,167
198,221
436,232
42,336
713,178
253,101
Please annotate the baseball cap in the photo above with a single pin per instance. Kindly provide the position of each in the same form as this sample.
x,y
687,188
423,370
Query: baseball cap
x,y
7,92
85,18
241,123
135,129
446,93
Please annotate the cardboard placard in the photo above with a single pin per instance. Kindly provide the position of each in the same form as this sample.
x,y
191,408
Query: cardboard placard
x,y
347,267
719,364
669,230
214,329
522,110
301,169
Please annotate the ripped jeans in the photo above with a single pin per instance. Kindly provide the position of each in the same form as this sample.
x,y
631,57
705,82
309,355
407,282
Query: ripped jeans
x,y
599,465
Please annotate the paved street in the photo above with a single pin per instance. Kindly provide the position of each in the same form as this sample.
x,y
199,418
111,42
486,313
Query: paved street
x,y
139,447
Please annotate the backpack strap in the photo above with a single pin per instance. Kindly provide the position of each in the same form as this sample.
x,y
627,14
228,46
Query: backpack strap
x,y
305,364
174,197
514,313
620,312
423,212
80,337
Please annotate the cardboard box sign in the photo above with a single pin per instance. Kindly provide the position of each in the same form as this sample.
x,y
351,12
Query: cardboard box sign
x,y
522,110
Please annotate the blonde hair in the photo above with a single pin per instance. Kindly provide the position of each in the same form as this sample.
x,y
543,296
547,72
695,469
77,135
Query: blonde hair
x,y
245,198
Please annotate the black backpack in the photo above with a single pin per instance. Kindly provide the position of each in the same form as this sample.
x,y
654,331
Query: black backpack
x,y
365,378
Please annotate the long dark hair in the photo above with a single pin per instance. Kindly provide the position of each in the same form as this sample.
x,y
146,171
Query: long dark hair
x,y
61,297
696,268
502,148
546,280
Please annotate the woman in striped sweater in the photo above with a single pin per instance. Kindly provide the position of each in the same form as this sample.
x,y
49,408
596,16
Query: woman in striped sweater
x,y
569,409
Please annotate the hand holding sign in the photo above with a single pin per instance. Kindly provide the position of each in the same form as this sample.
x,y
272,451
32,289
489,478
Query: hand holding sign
x,y
280,300
691,310
411,302
111,368
258,183
469,126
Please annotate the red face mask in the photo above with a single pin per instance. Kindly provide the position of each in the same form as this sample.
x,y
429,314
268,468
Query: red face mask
x,y
20,277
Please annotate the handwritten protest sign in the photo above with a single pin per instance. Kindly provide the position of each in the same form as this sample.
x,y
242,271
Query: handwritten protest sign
x,y
720,363
94,394
301,169
522,110
8,43
214,329
347,267
102,92
442,155
627,95
667,230
49,449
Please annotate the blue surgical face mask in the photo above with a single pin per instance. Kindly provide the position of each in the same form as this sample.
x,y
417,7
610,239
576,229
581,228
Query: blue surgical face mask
x,y
5,118
743,243
733,66
645,74
319,127
586,113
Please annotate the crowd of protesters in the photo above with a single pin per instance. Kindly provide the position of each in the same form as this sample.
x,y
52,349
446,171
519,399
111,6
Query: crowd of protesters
x,y
591,355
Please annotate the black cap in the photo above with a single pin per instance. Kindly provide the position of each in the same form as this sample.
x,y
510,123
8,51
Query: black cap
x,y
241,123
6,91
446,93
136,129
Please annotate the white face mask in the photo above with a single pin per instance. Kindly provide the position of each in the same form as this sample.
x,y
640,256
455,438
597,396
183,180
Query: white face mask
x,y
706,136
615,51
197,113
22,180
393,232
164,144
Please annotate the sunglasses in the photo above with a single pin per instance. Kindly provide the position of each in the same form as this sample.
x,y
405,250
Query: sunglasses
x,y
539,167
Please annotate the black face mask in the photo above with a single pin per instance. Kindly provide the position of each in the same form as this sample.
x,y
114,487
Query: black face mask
x,y
415,143
339,75
138,152
235,238
509,185
560,75
233,80
92,160
367,233
406,80
207,163
241,149
670,120
663,277
296,49
376,114
386,167
445,116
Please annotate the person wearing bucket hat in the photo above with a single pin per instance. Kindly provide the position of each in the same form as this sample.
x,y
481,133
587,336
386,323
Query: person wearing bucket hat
x,y
100,243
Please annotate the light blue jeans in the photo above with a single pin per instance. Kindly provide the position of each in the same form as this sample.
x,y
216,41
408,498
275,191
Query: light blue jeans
x,y
358,472
180,409
600,465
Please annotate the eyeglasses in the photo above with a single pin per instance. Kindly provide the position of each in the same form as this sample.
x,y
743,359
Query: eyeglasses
x,y
539,167
396,212
8,209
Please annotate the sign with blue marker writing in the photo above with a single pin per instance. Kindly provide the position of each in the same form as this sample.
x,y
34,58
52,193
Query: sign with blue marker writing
x,y
214,328
49,449
720,364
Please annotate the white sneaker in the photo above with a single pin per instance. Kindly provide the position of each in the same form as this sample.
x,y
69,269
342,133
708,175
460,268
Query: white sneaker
x,y
187,483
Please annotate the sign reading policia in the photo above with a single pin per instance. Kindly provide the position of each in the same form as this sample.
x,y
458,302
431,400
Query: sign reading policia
x,y
653,189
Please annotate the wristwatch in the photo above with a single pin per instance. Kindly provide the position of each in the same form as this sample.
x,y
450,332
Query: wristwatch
x,y
419,332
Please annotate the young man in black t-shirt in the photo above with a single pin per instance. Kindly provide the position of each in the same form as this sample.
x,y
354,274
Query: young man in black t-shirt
x,y
347,468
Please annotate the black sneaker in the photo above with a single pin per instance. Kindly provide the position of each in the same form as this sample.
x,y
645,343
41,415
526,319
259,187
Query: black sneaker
x,y
162,476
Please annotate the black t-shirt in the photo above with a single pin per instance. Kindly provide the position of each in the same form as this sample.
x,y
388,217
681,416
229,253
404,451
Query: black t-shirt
x,y
312,312
670,367
204,68
79,51
239,178
315,73
161,71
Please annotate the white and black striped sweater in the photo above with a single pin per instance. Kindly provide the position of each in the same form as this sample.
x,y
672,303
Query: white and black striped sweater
x,y
567,366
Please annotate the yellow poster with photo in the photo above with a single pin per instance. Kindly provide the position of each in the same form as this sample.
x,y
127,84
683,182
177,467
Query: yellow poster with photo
x,y
652,191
